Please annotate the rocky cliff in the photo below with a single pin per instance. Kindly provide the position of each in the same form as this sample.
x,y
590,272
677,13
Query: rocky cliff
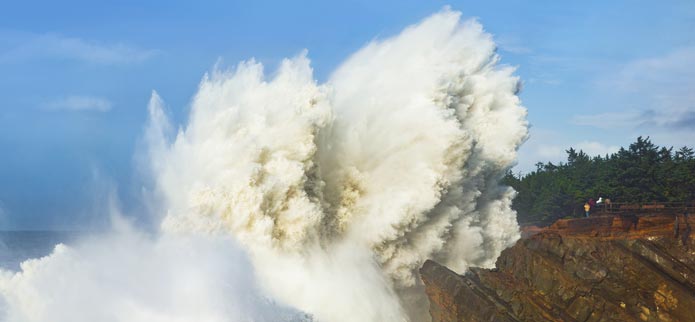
x,y
621,268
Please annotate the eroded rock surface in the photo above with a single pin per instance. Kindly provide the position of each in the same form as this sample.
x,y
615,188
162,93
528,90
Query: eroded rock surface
x,y
621,268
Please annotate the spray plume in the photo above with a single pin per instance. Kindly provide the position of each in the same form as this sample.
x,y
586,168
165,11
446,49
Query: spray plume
x,y
338,192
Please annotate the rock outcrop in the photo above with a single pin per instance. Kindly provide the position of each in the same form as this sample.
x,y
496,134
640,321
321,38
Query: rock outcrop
x,y
622,268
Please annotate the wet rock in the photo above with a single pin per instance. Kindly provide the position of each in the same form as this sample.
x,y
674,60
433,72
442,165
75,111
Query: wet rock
x,y
590,269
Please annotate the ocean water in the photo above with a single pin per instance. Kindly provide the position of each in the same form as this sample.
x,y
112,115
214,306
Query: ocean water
x,y
18,246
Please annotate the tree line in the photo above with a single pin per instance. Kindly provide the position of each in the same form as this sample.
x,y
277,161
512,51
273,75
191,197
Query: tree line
x,y
644,172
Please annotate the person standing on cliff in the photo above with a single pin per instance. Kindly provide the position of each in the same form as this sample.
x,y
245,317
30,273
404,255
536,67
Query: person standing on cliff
x,y
587,207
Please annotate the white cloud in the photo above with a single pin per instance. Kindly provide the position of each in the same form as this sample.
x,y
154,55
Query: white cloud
x,y
655,93
542,146
29,46
546,145
551,152
544,79
673,71
80,103
593,148
512,45
557,152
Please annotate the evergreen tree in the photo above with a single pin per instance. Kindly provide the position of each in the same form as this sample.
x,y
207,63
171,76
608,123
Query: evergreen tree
x,y
644,172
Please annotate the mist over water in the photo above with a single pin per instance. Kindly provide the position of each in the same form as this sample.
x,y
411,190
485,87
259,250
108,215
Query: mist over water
x,y
131,276
282,195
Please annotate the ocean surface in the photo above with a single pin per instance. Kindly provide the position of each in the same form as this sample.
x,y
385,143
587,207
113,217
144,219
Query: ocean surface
x,y
18,246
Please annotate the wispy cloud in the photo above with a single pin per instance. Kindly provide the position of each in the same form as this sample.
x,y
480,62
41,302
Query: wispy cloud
x,y
512,45
3,217
656,93
609,120
674,70
544,79
80,103
670,119
29,46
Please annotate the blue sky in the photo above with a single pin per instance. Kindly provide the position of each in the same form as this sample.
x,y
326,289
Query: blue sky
x,y
76,77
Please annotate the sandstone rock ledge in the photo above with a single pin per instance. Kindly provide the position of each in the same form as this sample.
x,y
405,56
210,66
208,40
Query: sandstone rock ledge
x,y
621,268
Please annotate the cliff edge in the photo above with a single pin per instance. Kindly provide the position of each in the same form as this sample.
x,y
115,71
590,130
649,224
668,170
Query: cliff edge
x,y
613,268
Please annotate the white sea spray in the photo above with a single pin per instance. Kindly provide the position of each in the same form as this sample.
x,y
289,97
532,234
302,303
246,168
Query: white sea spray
x,y
336,192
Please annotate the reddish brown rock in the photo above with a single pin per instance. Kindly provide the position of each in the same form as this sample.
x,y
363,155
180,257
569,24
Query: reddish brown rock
x,y
590,269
